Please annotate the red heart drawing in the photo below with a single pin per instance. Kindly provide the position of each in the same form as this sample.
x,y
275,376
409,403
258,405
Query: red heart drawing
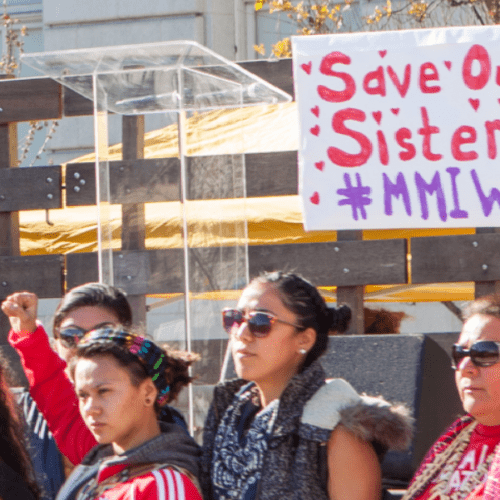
x,y
378,116
320,165
315,111
474,103
395,111
382,53
315,198
448,64
315,130
307,67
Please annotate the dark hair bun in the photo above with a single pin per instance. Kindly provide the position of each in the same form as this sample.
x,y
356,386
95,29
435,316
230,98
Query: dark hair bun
x,y
340,318
304,300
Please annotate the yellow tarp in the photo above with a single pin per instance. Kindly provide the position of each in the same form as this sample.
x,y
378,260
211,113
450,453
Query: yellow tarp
x,y
270,220
258,129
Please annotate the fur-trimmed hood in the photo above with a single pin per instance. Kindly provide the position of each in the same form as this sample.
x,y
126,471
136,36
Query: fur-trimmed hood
x,y
372,419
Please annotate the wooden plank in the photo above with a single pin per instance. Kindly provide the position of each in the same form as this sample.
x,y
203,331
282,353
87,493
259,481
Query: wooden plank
x,y
271,174
136,272
9,221
277,73
149,271
133,214
80,184
41,274
25,99
482,288
17,103
9,224
215,177
352,296
131,181
140,181
341,263
209,177
75,104
455,258
81,268
30,188
217,268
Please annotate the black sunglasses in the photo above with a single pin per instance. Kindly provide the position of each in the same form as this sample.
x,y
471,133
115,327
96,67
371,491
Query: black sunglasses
x,y
259,323
71,335
483,353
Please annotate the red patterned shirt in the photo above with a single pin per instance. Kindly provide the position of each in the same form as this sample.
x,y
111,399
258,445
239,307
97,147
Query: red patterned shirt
x,y
482,443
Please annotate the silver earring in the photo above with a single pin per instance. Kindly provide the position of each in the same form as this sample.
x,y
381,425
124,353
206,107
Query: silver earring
x,y
303,351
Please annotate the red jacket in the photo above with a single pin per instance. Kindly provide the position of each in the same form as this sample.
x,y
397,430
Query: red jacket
x,y
162,484
53,393
147,472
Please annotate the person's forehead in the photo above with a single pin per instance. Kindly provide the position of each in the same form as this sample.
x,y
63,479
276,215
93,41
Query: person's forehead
x,y
259,295
97,371
87,317
480,327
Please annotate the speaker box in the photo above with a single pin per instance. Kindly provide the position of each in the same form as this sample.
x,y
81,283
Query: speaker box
x,y
410,369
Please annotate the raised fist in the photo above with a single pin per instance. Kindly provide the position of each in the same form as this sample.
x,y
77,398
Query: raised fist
x,y
21,308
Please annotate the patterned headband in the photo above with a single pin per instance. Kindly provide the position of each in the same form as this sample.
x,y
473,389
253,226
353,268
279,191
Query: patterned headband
x,y
147,352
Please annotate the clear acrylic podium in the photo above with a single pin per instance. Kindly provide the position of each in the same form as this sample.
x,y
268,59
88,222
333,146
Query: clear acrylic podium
x,y
180,80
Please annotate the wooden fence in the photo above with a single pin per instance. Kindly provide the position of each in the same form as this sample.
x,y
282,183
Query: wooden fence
x,y
350,262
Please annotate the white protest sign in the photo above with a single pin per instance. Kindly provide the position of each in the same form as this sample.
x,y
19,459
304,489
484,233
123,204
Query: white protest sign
x,y
399,129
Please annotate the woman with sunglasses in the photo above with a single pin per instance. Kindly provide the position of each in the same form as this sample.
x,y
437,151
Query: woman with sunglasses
x,y
16,475
456,465
280,431
122,380
83,308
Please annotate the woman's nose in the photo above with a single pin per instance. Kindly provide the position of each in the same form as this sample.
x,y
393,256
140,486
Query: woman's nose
x,y
91,407
467,365
242,332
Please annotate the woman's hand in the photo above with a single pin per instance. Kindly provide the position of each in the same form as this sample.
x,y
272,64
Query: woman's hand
x,y
21,308
353,468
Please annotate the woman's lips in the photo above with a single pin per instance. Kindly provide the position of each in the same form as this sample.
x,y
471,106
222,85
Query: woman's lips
x,y
243,354
472,389
96,425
